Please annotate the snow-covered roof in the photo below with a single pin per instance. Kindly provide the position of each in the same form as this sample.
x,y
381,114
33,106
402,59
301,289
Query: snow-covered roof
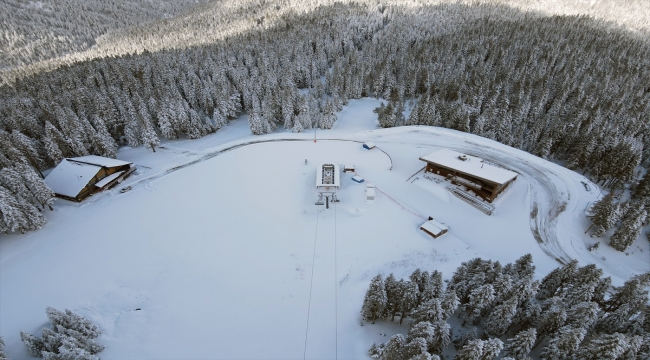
x,y
70,177
327,175
370,145
434,227
100,161
473,166
103,182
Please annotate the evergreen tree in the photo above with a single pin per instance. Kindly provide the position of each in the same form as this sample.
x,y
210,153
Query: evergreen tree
x,y
409,300
583,315
34,345
520,346
393,296
3,355
491,349
450,303
501,317
374,303
556,280
473,350
629,231
605,214
441,337
564,344
415,347
480,301
632,293
394,348
605,347
430,311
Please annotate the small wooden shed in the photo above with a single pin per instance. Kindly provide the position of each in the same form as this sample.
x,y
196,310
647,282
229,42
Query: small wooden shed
x,y
434,228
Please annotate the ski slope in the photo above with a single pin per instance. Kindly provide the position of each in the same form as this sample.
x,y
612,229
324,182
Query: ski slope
x,y
221,247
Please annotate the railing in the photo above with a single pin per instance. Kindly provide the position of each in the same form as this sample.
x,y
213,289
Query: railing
x,y
486,208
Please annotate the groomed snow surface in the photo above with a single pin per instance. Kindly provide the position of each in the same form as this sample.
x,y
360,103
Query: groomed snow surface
x,y
222,248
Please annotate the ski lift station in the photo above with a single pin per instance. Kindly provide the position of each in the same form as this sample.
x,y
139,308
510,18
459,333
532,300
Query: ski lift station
x,y
328,177
328,180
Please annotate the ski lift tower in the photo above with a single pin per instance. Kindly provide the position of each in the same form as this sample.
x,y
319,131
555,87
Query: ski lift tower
x,y
328,180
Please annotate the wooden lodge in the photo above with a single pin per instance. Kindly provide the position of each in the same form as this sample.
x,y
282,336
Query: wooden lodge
x,y
77,178
485,180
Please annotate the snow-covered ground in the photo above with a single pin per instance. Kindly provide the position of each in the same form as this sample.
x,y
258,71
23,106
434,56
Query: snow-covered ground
x,y
221,248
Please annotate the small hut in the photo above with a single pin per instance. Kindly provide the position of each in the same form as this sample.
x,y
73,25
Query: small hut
x,y
369,145
434,228
370,192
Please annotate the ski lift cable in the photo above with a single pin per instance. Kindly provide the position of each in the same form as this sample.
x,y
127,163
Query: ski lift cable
x,y
311,284
336,297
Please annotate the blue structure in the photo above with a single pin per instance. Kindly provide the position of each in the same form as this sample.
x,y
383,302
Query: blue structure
x,y
368,145
357,178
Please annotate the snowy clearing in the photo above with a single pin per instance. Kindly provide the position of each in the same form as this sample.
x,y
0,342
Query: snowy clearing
x,y
217,241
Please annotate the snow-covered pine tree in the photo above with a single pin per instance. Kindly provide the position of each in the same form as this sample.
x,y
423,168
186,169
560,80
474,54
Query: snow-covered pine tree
x,y
491,349
430,311
423,330
480,301
36,184
520,346
618,320
34,345
605,214
374,303
3,354
630,229
552,318
71,338
632,293
409,300
556,280
393,296
473,350
450,303
415,347
523,268
564,344
461,341
501,317
441,337
329,115
394,348
583,315
604,347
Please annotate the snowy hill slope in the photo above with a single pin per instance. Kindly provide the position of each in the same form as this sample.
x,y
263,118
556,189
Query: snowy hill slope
x,y
211,254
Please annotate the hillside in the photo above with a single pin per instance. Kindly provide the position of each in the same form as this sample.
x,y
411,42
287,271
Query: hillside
x,y
231,245
218,103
